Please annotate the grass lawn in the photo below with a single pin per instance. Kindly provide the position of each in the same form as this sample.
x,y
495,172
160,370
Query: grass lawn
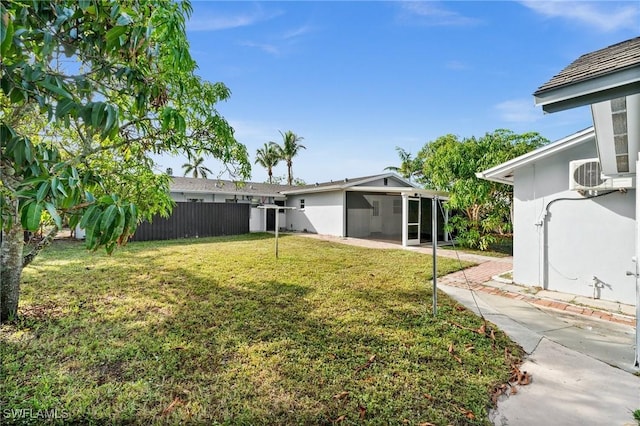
x,y
218,331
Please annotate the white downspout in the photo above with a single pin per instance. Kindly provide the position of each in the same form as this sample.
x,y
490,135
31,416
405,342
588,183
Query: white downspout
x,y
542,229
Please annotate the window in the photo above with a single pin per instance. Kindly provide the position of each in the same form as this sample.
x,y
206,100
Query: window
x,y
195,200
301,203
397,206
376,208
386,181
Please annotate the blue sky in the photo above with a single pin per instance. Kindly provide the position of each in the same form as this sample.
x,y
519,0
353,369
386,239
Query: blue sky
x,y
356,79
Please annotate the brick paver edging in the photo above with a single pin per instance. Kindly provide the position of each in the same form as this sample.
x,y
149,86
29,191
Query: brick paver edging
x,y
455,280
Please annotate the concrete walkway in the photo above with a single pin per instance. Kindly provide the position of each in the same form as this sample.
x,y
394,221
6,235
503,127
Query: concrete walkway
x,y
580,351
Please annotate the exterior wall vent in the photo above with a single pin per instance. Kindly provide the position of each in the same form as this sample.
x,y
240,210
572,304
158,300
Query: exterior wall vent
x,y
617,125
586,175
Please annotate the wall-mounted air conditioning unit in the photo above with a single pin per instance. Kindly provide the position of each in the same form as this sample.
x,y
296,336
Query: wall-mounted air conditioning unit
x,y
586,175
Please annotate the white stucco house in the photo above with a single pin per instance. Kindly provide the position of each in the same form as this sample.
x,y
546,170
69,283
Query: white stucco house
x,y
568,236
185,189
383,206
576,210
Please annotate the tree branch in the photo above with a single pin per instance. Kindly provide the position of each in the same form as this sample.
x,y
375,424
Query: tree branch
x,y
46,241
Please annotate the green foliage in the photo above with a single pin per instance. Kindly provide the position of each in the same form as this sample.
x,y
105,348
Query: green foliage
x,y
482,209
290,148
268,157
409,168
130,92
196,168
636,416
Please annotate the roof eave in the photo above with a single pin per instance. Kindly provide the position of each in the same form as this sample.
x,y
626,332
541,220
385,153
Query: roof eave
x,y
503,173
400,190
312,190
205,191
610,86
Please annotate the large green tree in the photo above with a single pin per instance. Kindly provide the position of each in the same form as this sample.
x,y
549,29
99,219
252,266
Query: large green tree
x,y
268,157
90,91
290,148
450,164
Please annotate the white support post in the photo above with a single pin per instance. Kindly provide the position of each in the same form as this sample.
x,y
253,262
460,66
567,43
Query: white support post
x,y
405,220
434,244
277,229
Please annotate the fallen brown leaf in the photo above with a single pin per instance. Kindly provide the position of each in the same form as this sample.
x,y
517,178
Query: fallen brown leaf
x,y
366,364
498,390
341,395
520,377
169,408
456,357
362,410
340,419
426,424
429,397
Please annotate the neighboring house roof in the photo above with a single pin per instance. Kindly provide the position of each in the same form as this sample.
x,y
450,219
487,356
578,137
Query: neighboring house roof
x,y
594,77
218,186
345,184
503,173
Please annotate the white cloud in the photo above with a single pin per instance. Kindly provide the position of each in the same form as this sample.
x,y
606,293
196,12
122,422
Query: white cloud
x,y
297,32
265,47
215,22
456,65
431,13
280,44
603,16
518,111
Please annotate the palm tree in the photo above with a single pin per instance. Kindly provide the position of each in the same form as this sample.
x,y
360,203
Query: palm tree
x,y
289,149
196,168
268,157
409,167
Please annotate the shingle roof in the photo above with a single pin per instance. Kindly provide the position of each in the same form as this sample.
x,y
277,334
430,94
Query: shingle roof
x,y
185,184
218,186
350,181
605,61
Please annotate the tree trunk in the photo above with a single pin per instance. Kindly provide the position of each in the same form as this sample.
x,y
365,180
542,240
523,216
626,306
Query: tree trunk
x,y
11,263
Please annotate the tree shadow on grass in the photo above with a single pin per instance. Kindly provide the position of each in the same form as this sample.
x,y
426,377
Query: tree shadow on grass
x,y
183,346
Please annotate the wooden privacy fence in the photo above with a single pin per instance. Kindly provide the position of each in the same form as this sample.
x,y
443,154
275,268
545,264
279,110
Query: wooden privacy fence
x,y
189,220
